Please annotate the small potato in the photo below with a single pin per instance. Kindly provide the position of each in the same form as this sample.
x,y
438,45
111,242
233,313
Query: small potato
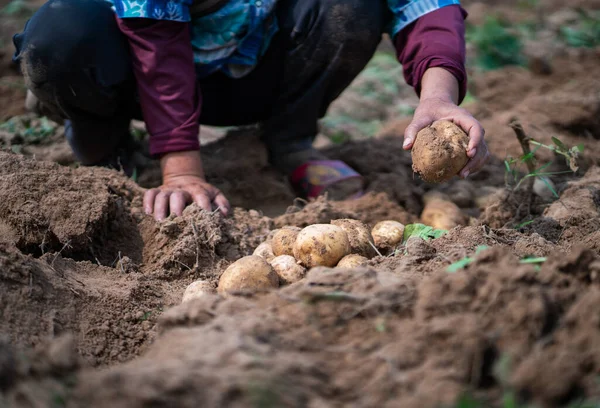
x,y
283,241
388,234
361,241
442,214
248,274
321,245
440,151
197,289
265,251
288,269
352,261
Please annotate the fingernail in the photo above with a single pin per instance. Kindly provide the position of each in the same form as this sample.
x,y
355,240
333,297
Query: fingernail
x,y
407,142
466,174
472,152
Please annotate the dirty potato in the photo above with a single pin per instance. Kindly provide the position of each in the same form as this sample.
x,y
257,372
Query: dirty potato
x,y
197,289
388,234
288,269
440,151
442,214
265,251
283,241
352,261
248,274
321,245
361,241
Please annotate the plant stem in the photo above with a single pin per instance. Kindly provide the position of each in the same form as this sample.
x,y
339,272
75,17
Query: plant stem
x,y
530,161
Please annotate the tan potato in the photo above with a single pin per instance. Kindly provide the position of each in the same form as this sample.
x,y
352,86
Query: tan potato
x,y
265,251
440,151
352,261
321,245
197,289
283,241
248,274
361,241
442,214
388,234
288,269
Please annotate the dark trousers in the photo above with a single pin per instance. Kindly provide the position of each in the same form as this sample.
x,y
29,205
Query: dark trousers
x,y
76,61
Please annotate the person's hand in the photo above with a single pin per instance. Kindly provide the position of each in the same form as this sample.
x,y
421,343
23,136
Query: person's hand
x,y
183,184
433,109
178,192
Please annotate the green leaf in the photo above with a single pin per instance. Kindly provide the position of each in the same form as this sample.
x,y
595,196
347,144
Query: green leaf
x,y
580,147
559,144
466,261
524,224
533,260
422,231
547,183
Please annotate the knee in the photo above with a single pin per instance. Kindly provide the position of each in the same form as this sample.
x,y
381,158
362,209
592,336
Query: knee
x,y
360,22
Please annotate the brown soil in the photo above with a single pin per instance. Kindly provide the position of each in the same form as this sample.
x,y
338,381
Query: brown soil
x,y
90,288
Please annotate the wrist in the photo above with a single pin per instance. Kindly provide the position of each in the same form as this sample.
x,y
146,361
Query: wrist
x,y
181,164
439,84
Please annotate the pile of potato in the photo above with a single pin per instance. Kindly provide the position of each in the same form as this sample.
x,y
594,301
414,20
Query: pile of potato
x,y
290,252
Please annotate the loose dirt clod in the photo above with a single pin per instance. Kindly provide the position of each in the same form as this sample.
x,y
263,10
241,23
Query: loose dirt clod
x,y
440,151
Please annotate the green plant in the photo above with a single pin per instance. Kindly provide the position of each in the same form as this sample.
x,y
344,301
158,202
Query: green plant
x,y
466,261
422,231
496,45
585,33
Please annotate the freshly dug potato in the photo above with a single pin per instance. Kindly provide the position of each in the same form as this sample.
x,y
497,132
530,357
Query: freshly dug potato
x,y
442,214
387,234
321,245
283,241
361,241
352,261
288,269
197,289
440,151
249,273
265,251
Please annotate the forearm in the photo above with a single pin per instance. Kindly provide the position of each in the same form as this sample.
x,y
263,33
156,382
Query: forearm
x,y
438,83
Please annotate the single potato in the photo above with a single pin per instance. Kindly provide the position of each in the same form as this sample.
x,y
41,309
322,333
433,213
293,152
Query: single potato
x,y
388,234
440,151
352,261
361,241
283,241
442,214
197,289
250,273
288,269
265,251
321,245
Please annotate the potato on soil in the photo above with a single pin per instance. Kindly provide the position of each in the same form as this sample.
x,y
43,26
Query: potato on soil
x,y
265,251
197,289
442,214
283,241
248,274
321,245
361,241
388,234
352,261
288,269
440,151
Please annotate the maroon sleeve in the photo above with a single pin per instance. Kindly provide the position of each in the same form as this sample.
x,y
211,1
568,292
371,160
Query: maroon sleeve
x,y
163,65
435,40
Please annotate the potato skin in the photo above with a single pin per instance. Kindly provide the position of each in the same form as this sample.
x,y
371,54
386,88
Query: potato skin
x,y
388,234
288,270
265,251
321,245
352,261
248,273
197,289
440,151
442,214
283,241
361,241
